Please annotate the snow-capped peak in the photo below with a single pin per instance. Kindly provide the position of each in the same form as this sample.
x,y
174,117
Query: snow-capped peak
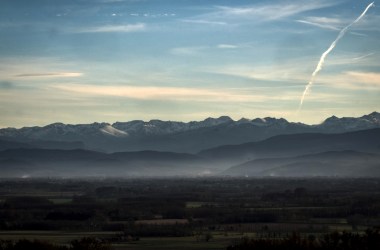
x,y
109,130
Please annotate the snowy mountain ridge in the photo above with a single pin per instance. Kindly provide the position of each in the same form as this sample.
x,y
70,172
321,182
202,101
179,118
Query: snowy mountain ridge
x,y
182,136
158,127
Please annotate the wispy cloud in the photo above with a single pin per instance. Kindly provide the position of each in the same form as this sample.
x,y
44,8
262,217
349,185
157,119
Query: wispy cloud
x,y
367,78
188,51
345,72
200,21
351,81
286,72
370,23
51,74
290,74
198,50
358,58
156,93
24,68
112,28
227,46
328,23
168,93
206,95
323,22
266,12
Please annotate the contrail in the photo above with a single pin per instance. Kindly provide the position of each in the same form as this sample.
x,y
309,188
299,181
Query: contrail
x,y
362,57
323,57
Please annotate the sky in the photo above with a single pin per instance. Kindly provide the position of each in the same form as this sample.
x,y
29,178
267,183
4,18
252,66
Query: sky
x,y
84,61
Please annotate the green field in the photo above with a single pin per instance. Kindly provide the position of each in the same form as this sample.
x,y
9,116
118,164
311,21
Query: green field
x,y
61,200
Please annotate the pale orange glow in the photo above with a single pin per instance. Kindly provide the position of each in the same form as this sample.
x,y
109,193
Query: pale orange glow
x,y
365,77
51,74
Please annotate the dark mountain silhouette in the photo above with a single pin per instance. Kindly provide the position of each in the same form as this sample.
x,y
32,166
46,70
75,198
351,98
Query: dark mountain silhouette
x,y
294,145
48,162
9,143
335,163
286,155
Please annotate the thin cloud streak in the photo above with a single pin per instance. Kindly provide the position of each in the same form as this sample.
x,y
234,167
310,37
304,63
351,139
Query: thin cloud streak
x,y
290,75
187,51
227,46
160,93
189,94
323,22
327,23
20,68
270,11
200,21
320,25
55,74
257,13
370,78
127,28
363,56
196,50
286,72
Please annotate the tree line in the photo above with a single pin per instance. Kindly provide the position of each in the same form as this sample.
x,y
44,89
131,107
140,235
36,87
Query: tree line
x,y
370,240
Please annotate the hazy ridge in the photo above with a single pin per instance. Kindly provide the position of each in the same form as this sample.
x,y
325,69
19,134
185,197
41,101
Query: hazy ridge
x,y
258,147
190,137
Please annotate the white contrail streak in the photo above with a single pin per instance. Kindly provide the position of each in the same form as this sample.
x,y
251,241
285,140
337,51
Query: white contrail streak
x,y
324,55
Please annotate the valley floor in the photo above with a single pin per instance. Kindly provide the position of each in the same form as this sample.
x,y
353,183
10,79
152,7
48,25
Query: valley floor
x,y
187,213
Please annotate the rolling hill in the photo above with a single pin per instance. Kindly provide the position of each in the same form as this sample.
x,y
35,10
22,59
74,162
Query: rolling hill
x,y
333,163
83,163
295,145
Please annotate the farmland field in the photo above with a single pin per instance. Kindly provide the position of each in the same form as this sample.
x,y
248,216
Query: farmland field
x,y
186,213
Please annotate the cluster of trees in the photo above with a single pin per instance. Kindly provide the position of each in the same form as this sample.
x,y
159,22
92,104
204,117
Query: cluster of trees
x,y
116,205
81,244
334,241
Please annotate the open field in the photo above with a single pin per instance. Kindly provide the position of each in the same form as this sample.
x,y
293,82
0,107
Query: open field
x,y
185,243
188,213
57,237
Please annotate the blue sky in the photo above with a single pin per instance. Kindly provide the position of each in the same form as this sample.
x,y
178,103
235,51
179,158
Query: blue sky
x,y
81,61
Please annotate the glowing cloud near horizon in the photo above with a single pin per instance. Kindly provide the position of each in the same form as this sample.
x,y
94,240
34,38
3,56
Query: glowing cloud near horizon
x,y
324,55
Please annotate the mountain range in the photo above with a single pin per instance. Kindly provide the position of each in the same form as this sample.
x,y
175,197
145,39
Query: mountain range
x,y
180,137
215,146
